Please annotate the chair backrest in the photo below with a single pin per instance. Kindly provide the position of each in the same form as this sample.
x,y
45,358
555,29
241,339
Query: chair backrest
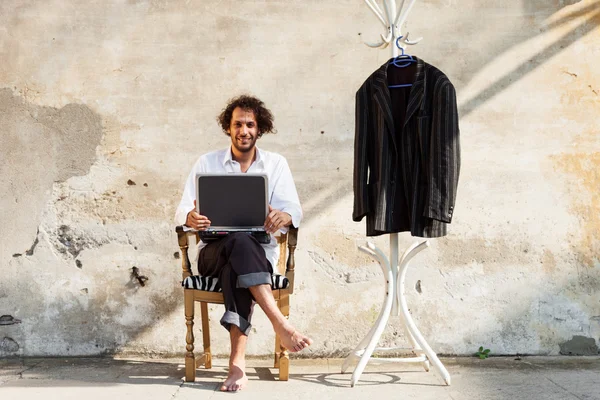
x,y
285,266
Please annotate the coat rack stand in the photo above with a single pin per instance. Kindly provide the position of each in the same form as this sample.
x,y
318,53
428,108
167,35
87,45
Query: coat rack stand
x,y
394,269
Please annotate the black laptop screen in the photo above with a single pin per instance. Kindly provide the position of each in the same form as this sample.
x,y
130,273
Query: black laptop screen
x,y
233,200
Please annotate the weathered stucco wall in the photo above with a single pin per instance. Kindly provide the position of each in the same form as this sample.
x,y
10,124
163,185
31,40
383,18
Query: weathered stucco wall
x,y
104,107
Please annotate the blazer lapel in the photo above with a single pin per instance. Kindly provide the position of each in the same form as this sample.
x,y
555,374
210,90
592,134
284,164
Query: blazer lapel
x,y
382,96
382,93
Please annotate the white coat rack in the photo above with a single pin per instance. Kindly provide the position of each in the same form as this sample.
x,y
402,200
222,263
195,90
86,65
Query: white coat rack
x,y
394,270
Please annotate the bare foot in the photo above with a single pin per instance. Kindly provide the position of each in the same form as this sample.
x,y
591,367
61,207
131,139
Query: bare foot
x,y
293,340
236,379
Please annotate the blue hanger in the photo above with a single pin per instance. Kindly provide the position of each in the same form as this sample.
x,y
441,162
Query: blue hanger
x,y
401,61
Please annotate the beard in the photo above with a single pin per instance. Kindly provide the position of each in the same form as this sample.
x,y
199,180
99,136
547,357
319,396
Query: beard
x,y
244,148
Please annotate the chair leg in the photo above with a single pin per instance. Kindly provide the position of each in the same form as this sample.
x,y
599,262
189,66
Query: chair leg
x,y
277,347
190,361
284,357
277,350
206,335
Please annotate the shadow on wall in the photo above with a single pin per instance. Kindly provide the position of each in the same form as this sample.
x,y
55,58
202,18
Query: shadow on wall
x,y
592,14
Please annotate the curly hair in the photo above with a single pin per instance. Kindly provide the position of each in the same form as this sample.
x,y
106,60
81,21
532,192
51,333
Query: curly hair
x,y
264,117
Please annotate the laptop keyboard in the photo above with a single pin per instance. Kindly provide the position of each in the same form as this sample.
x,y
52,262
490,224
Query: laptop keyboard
x,y
245,229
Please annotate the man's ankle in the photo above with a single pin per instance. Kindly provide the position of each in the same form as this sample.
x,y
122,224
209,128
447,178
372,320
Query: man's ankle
x,y
237,361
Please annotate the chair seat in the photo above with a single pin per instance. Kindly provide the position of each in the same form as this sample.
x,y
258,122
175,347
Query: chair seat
x,y
211,283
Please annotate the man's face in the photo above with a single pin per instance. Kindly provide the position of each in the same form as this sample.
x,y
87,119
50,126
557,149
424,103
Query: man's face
x,y
243,130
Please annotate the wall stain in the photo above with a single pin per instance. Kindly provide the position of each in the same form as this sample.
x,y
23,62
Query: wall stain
x,y
493,255
342,248
136,277
9,320
584,171
8,346
35,243
548,262
63,143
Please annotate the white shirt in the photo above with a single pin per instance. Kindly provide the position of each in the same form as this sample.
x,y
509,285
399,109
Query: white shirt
x,y
282,190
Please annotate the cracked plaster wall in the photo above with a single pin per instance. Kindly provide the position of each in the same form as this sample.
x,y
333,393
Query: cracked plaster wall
x,y
105,106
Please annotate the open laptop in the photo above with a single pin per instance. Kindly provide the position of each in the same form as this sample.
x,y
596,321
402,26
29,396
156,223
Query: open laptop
x,y
236,202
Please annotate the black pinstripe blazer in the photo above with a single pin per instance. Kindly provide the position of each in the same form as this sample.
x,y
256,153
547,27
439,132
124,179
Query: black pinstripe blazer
x,y
406,153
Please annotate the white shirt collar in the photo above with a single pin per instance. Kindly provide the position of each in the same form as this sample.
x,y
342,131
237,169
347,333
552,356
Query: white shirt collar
x,y
228,156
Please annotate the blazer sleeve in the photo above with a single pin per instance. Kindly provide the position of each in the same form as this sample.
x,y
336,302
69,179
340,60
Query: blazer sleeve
x,y
444,160
361,162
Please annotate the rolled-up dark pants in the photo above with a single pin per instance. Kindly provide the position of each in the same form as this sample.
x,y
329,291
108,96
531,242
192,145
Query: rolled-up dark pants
x,y
239,261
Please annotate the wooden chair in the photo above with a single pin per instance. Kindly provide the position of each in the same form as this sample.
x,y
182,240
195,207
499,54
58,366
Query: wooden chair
x,y
201,289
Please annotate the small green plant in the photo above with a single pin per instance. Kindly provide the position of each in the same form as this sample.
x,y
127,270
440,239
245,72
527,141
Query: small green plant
x,y
483,354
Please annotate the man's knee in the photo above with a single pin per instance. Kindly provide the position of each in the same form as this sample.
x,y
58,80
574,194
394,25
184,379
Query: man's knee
x,y
246,255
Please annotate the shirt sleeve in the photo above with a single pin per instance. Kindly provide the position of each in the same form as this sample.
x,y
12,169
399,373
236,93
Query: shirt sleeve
x,y
285,197
189,195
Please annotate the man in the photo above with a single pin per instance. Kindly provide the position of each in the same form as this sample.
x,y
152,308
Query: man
x,y
244,266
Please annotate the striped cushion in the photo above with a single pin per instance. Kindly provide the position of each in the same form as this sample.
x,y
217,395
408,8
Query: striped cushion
x,y
211,284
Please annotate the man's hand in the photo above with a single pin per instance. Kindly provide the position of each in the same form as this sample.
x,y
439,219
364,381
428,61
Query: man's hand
x,y
197,221
277,220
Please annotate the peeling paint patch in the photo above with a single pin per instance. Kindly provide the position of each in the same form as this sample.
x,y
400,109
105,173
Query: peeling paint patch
x,y
67,241
116,204
63,144
579,346
72,244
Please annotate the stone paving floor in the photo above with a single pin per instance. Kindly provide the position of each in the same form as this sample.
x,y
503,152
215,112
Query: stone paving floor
x,y
503,378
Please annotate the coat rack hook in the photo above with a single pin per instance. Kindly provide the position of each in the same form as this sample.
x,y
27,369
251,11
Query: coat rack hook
x,y
393,23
